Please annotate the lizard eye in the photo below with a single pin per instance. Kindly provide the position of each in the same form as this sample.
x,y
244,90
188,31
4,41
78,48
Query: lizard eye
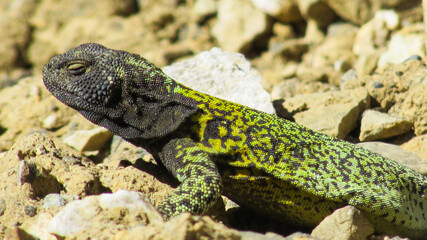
x,y
77,68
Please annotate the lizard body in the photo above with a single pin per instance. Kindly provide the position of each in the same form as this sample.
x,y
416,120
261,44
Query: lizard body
x,y
213,147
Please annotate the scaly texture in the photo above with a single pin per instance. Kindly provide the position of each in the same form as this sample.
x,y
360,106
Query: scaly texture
x,y
215,147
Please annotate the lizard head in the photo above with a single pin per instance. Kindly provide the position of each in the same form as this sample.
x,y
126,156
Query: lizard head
x,y
118,90
85,78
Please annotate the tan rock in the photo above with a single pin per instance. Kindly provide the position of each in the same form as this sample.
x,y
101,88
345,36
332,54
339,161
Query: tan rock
x,y
234,30
88,140
180,228
337,47
36,167
400,89
15,32
357,12
374,34
344,223
317,11
284,10
377,125
332,113
417,145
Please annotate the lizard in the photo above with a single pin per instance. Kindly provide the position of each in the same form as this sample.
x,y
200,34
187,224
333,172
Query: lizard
x,y
214,147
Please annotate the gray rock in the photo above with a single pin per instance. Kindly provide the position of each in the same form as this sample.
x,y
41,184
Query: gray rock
x,y
397,154
377,125
333,113
54,199
225,75
344,223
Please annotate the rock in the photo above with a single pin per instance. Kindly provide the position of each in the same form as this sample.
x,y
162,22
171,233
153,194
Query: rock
x,y
59,12
320,61
51,121
38,229
23,107
3,206
234,30
371,39
100,216
180,228
249,235
333,113
366,63
403,45
397,154
284,10
417,145
357,12
400,90
54,199
317,11
292,49
16,32
205,7
374,34
314,33
291,87
88,140
344,223
377,125
123,150
225,75
38,165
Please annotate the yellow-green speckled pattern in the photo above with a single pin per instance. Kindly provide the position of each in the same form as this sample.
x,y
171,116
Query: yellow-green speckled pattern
x,y
267,164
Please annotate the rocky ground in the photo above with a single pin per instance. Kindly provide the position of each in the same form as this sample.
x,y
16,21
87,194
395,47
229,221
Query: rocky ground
x,y
352,69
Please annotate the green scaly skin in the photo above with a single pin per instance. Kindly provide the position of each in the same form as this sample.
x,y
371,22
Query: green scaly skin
x,y
215,147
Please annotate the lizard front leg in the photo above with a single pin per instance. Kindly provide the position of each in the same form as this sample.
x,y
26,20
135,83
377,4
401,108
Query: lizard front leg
x,y
200,180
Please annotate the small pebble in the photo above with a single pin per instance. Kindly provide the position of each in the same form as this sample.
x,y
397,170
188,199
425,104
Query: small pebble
x,y
2,206
55,200
377,85
413,57
30,210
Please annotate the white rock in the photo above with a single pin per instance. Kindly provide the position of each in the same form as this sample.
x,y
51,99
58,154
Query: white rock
x,y
390,17
401,47
75,217
50,121
374,33
224,75
82,215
